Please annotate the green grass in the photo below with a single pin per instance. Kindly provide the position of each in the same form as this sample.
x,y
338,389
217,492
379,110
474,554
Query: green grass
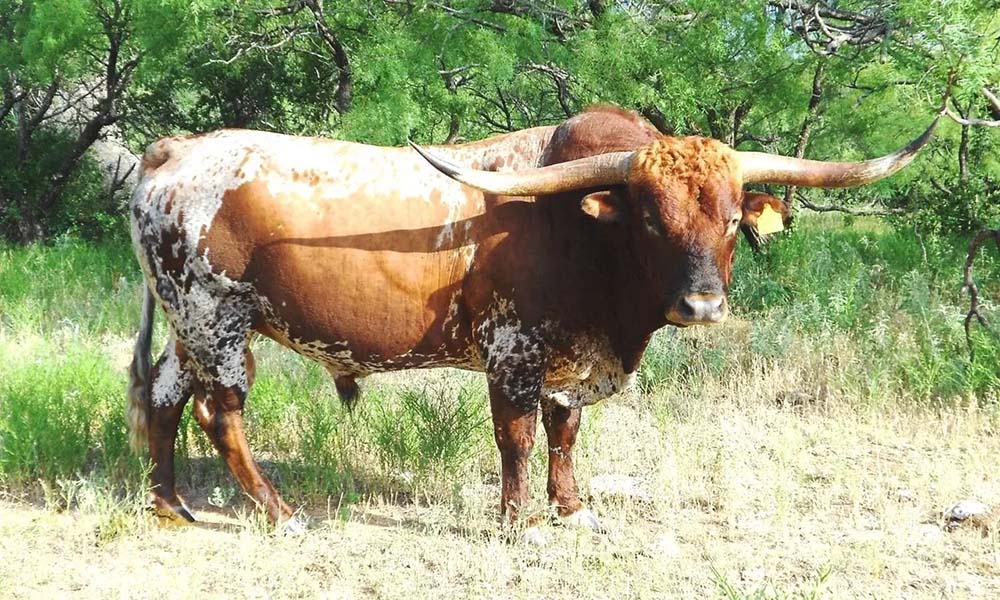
x,y
69,285
730,591
60,413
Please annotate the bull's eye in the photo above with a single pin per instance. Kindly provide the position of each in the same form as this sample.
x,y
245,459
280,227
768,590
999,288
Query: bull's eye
x,y
734,224
652,224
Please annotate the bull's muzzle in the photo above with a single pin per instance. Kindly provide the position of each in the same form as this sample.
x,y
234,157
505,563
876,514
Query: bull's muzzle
x,y
700,308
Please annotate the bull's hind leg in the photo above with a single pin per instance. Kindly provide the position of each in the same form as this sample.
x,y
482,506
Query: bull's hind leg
x,y
219,411
172,385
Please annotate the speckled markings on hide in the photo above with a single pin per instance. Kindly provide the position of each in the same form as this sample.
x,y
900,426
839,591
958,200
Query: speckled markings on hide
x,y
521,364
172,381
513,353
590,374
171,209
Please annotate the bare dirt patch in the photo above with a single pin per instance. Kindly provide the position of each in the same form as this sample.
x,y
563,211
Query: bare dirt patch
x,y
744,500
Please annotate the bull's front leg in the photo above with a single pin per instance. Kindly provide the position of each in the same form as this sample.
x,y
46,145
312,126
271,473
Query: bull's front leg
x,y
514,431
513,354
561,427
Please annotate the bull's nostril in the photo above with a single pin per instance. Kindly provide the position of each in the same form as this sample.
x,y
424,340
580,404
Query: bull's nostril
x,y
703,307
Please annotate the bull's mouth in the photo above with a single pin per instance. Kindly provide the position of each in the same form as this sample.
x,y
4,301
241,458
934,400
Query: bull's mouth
x,y
699,308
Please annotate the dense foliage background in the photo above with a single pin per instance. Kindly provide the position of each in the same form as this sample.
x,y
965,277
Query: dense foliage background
x,y
827,79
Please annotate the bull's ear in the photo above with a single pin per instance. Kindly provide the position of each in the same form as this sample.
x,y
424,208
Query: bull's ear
x,y
605,206
764,213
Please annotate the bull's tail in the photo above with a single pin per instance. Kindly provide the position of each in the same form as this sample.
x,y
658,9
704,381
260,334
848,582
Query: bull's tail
x,y
137,410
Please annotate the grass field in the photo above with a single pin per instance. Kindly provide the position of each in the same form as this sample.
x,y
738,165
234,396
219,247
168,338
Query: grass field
x,y
805,449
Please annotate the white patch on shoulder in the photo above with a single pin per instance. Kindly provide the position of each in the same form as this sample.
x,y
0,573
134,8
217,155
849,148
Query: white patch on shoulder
x,y
518,150
455,205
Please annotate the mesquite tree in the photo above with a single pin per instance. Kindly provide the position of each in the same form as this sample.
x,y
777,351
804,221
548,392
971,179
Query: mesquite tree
x,y
818,79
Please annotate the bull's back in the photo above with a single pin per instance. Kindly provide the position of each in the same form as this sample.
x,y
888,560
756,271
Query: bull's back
x,y
344,244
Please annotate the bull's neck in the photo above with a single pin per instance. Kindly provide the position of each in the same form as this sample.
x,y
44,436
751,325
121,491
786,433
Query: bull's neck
x,y
621,303
638,312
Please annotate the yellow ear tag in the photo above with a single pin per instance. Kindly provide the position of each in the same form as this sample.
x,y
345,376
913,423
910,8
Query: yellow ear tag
x,y
769,221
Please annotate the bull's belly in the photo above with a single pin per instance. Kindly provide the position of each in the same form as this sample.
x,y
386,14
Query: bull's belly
x,y
582,372
340,360
342,357
565,383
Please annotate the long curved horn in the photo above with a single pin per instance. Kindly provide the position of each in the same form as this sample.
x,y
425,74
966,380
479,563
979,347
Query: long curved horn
x,y
760,167
594,171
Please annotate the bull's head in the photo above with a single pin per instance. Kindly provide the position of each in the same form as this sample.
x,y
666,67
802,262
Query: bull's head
x,y
683,202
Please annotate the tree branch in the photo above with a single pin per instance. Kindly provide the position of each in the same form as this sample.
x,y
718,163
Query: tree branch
x,y
856,29
969,285
807,122
10,99
561,79
454,12
968,122
994,101
116,25
858,212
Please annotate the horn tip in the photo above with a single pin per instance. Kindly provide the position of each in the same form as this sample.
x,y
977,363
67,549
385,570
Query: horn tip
x,y
441,164
917,144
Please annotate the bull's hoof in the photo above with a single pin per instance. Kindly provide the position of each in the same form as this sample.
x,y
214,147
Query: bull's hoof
x,y
292,526
172,511
584,519
533,536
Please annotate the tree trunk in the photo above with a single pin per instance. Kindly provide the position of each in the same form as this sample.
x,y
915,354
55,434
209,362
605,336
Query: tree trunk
x,y
343,96
29,228
454,128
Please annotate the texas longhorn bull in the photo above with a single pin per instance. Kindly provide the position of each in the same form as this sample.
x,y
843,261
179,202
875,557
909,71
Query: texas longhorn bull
x,y
545,258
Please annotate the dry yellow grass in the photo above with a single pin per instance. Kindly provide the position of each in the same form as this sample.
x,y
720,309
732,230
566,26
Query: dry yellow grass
x,y
761,497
